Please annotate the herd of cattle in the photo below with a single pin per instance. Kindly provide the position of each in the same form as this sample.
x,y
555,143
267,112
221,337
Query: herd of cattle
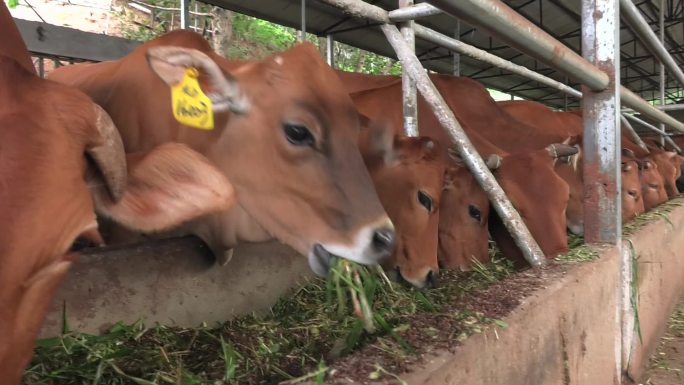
x,y
297,151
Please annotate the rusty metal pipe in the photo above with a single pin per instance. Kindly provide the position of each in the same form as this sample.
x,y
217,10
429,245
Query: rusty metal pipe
x,y
472,159
633,101
510,27
413,12
644,32
484,56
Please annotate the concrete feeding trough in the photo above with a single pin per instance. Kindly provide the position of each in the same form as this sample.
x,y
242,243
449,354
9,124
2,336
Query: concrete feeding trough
x,y
173,282
570,331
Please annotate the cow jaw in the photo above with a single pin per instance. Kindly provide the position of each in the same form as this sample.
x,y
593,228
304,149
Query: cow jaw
x,y
372,246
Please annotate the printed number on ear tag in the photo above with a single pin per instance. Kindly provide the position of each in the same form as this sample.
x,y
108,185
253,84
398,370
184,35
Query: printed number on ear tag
x,y
191,106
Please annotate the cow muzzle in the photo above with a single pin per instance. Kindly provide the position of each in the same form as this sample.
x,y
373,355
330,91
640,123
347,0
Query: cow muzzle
x,y
372,246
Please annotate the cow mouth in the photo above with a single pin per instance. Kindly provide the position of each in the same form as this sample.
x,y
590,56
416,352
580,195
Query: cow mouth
x,y
320,260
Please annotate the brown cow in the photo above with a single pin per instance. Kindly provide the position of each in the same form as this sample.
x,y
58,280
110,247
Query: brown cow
x,y
543,119
540,196
409,181
46,130
286,137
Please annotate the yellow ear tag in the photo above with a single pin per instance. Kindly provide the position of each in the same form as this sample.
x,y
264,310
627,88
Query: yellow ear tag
x,y
191,106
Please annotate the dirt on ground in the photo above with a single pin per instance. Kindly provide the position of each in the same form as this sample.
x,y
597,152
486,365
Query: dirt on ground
x,y
666,365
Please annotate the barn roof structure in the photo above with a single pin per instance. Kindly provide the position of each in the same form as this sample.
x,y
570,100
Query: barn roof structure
x,y
560,18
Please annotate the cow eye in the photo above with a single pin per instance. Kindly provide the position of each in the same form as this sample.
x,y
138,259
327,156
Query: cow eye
x,y
298,135
474,212
425,200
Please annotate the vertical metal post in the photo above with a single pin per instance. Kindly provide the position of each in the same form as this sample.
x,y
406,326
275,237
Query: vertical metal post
x,y
602,205
565,104
602,183
330,50
41,67
662,66
410,94
184,14
456,55
302,37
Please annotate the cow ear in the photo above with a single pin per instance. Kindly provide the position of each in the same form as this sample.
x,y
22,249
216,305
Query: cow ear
x,y
455,156
170,64
167,187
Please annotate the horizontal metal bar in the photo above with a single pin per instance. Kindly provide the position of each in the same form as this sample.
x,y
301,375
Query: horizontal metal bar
x,y
413,12
632,133
671,107
633,101
512,28
484,56
644,32
359,9
645,124
509,216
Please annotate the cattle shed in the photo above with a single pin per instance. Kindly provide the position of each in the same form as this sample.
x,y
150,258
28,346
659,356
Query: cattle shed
x,y
620,61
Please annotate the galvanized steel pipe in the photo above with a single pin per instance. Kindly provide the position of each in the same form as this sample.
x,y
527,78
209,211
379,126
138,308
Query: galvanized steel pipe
x,y
664,134
329,50
510,27
472,159
408,85
633,101
601,111
413,12
184,14
632,134
644,32
486,57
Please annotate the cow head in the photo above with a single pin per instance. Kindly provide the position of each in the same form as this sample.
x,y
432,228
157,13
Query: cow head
x,y
463,235
291,153
539,195
632,198
669,166
408,174
569,168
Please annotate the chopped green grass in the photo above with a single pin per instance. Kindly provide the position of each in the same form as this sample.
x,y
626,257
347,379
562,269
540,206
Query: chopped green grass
x,y
316,324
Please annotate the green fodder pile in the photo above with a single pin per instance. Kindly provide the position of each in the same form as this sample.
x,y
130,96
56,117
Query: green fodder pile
x,y
369,327
301,334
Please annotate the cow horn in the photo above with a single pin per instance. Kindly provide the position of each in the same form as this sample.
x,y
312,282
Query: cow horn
x,y
493,162
107,151
226,93
558,150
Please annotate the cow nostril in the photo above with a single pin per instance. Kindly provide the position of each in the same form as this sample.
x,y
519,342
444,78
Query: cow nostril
x,y
431,280
383,239
633,193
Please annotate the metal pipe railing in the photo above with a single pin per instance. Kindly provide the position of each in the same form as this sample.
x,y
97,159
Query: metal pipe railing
x,y
632,133
635,102
644,32
413,12
664,135
509,26
509,216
